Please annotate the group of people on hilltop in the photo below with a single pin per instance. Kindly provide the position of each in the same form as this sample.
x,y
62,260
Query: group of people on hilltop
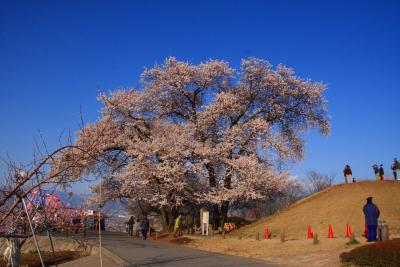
x,y
378,171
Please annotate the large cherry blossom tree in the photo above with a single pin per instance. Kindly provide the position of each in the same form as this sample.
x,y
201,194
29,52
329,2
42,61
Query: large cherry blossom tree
x,y
203,133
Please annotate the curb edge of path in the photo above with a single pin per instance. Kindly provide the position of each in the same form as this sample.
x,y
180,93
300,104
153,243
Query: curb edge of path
x,y
114,258
93,259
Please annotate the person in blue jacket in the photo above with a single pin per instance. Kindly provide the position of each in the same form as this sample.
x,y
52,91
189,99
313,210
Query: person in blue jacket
x,y
371,212
144,227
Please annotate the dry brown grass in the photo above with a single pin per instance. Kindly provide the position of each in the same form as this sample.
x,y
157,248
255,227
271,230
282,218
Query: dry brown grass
x,y
66,249
32,260
292,253
338,205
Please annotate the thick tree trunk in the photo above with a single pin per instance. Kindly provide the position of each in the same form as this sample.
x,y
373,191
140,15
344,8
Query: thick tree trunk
x,y
212,179
225,204
164,218
224,213
171,221
216,215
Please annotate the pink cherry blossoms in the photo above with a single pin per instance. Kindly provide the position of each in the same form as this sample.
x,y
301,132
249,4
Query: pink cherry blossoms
x,y
202,133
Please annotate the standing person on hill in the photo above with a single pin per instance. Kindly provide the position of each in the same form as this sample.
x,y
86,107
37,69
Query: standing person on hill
x,y
144,227
394,171
371,212
347,174
130,223
395,168
376,171
381,172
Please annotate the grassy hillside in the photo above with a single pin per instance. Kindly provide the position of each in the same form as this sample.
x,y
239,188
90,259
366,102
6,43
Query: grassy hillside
x,y
337,205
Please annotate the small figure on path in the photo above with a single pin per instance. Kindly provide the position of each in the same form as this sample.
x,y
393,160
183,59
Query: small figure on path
x,y
177,226
189,223
381,172
130,223
371,212
347,174
376,171
144,226
395,167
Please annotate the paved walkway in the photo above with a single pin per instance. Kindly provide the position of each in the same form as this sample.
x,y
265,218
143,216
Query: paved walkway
x,y
93,260
138,252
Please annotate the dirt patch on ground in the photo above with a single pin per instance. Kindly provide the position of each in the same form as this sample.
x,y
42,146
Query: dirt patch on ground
x,y
289,253
181,240
170,238
162,236
32,259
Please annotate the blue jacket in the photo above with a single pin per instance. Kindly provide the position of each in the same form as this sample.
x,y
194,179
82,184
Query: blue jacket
x,y
371,212
144,224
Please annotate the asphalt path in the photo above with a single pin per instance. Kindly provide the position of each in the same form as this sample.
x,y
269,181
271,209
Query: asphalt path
x,y
138,252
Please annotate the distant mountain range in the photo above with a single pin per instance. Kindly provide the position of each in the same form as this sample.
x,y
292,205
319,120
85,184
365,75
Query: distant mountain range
x,y
77,200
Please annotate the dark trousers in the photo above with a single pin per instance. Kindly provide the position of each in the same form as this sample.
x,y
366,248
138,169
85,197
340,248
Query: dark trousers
x,y
144,233
130,230
372,232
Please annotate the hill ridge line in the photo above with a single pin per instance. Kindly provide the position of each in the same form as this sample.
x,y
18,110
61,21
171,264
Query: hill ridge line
x,y
302,201
338,205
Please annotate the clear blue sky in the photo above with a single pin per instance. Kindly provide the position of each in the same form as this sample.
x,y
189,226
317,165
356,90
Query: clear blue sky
x,y
53,54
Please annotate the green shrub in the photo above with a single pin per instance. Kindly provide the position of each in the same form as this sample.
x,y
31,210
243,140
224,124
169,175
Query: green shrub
x,y
382,254
353,240
33,252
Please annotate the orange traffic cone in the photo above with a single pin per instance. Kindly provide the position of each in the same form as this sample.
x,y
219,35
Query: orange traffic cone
x,y
330,232
266,233
310,234
348,231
